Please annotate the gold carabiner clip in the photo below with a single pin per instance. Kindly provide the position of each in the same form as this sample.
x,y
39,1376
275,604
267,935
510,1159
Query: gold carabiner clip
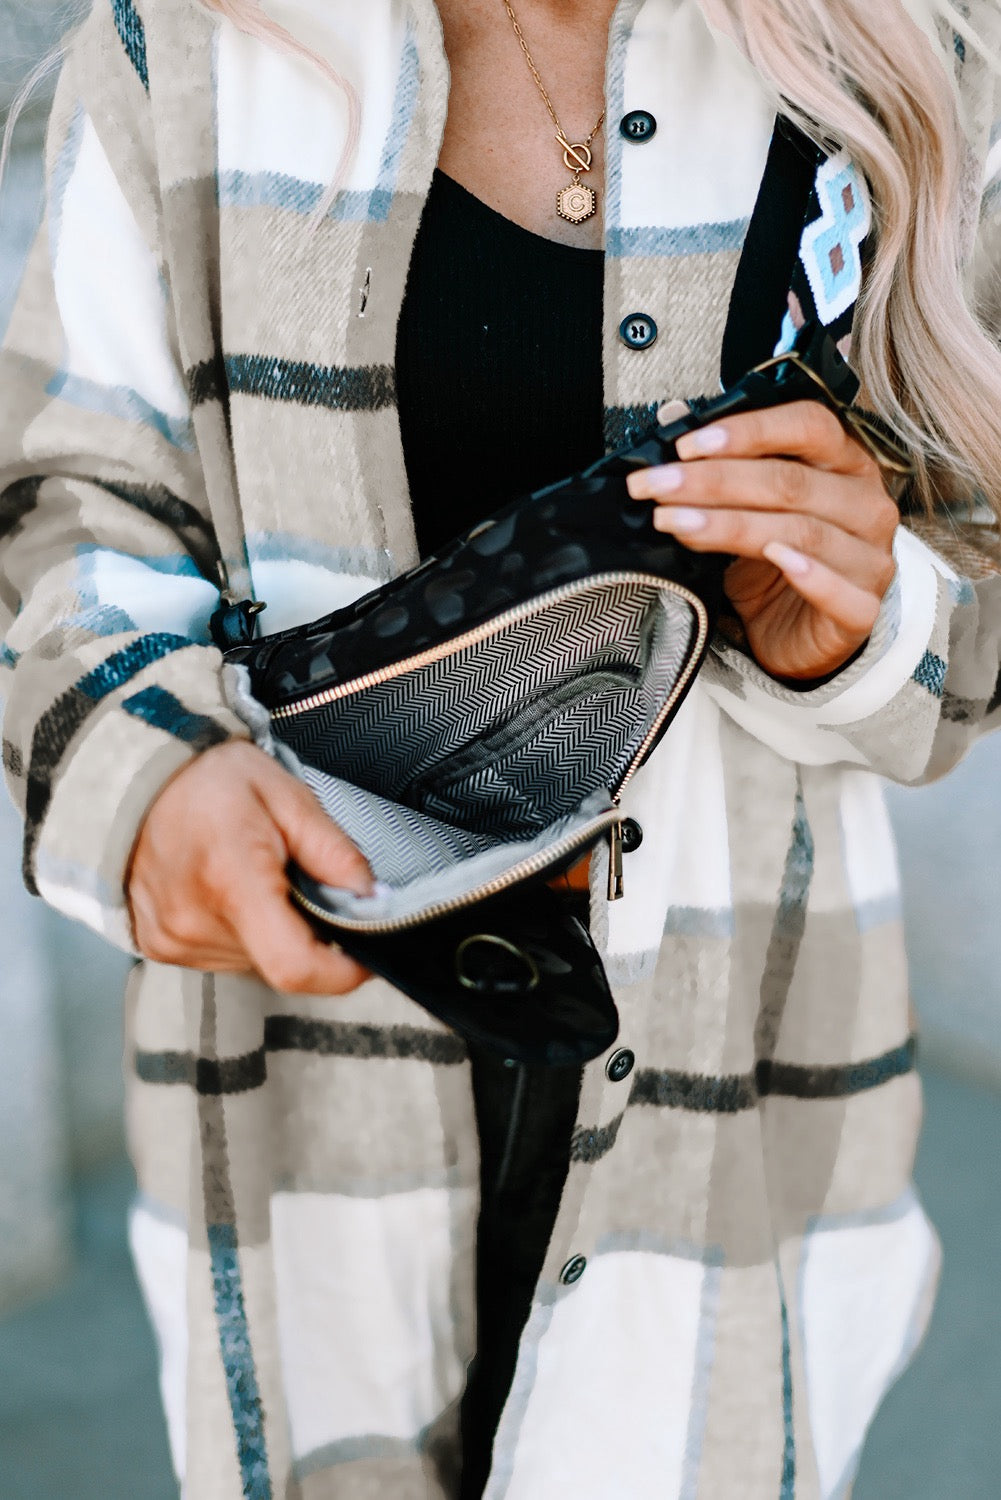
x,y
876,438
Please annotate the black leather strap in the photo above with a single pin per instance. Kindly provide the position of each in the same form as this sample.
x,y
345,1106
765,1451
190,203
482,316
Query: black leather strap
x,y
759,299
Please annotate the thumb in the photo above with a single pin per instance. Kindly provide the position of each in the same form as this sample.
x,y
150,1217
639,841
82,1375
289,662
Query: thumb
x,y
313,840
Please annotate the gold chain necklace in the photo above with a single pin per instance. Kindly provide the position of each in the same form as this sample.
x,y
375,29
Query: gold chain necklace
x,y
577,201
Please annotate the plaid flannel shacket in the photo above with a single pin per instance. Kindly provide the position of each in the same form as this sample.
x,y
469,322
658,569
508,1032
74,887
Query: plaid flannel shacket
x,y
196,372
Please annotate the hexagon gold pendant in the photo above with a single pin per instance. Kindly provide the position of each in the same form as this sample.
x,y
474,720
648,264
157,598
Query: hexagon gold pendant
x,y
576,203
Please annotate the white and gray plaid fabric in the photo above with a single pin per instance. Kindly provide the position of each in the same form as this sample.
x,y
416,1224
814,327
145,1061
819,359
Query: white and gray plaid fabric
x,y
197,370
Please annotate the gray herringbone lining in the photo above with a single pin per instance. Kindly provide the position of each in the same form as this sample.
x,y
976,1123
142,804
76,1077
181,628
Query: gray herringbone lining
x,y
490,755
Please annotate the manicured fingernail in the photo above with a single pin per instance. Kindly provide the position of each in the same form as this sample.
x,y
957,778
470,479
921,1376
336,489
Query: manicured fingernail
x,y
649,484
787,559
667,478
681,519
704,440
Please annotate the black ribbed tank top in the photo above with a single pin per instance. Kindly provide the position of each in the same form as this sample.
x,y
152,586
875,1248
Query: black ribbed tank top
x,y
498,362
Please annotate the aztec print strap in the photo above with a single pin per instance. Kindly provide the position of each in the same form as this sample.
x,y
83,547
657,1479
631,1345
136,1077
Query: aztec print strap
x,y
804,253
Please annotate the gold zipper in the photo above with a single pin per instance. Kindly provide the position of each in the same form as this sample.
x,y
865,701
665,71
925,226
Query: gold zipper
x,y
476,637
538,862
616,889
528,867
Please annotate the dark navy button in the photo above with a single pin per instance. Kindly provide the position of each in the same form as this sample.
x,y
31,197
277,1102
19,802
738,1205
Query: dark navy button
x,y
638,331
638,126
620,1064
573,1270
632,835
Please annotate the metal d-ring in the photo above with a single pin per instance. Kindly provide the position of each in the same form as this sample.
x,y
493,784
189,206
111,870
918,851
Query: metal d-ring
x,y
879,442
493,940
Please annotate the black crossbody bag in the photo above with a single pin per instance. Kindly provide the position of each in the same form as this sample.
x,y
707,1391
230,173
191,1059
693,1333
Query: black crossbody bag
x,y
471,726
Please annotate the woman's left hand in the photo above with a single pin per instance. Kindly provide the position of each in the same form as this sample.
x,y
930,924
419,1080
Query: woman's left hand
x,y
804,509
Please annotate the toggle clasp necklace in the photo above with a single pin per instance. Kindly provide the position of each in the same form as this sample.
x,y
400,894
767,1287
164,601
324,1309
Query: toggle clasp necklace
x,y
576,202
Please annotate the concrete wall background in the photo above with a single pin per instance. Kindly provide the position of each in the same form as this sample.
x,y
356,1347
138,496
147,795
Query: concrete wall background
x,y
60,988
949,841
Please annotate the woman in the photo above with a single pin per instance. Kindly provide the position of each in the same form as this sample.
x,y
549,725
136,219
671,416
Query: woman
x,y
218,370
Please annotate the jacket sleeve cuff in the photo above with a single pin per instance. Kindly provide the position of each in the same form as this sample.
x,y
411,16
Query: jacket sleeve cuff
x,y
815,727
79,856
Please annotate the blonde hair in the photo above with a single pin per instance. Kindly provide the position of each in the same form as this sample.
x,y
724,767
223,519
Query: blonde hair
x,y
863,75
250,17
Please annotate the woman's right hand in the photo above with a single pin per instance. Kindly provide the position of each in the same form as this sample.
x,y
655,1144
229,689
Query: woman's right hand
x,y
208,888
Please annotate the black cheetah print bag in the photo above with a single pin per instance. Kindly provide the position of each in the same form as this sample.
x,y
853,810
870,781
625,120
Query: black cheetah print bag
x,y
471,726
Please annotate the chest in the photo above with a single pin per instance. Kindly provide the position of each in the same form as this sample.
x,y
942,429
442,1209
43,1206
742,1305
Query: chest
x,y
500,138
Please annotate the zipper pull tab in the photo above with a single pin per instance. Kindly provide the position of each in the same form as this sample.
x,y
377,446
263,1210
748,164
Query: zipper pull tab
x,y
615,889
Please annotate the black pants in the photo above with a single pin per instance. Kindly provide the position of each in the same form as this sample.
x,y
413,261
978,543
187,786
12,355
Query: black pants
x,y
525,1117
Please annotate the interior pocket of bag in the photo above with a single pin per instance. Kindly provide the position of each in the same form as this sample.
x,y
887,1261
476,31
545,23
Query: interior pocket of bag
x,y
419,861
538,764
507,735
